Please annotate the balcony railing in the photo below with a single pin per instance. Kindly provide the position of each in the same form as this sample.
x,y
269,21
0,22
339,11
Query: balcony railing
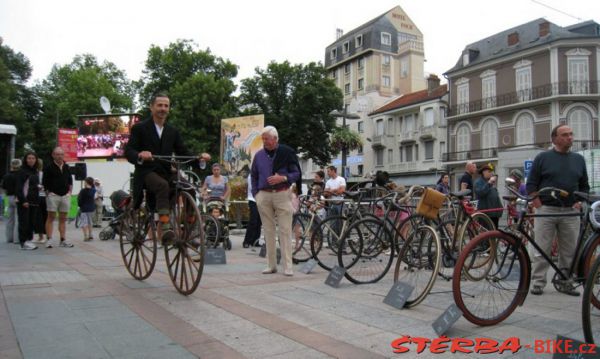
x,y
486,153
535,93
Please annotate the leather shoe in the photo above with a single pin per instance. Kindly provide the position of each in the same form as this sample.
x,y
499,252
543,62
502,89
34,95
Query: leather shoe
x,y
245,245
570,291
537,290
288,272
269,270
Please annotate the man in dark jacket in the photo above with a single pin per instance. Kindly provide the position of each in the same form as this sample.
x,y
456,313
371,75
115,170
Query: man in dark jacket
x,y
156,137
58,184
9,184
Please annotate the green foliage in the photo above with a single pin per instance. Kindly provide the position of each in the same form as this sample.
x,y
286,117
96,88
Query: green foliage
x,y
18,104
200,87
75,89
343,136
297,100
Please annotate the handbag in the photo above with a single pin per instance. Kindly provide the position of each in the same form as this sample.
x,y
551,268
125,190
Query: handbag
x,y
430,203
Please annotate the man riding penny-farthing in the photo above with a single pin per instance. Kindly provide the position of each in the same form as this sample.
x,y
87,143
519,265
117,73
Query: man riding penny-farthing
x,y
158,152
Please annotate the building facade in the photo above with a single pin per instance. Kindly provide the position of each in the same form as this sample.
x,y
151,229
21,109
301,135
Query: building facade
x,y
507,92
373,64
409,135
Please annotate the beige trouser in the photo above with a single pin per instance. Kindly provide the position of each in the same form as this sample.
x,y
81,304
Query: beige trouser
x,y
566,229
275,208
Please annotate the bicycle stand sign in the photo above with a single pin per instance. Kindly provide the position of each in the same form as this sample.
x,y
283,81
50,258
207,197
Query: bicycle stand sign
x,y
398,294
215,256
335,276
308,266
445,321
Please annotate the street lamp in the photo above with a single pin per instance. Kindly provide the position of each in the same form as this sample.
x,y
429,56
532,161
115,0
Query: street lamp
x,y
344,115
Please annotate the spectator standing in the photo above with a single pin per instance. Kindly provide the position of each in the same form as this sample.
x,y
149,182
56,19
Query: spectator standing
x,y
443,184
318,185
39,226
87,208
334,190
9,183
58,184
466,181
560,168
99,203
27,192
254,223
274,168
217,184
487,193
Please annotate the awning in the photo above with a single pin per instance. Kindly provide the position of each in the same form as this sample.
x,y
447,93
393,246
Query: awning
x,y
8,129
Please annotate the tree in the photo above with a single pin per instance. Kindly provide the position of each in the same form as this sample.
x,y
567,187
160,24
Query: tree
x,y
297,100
200,87
75,89
18,104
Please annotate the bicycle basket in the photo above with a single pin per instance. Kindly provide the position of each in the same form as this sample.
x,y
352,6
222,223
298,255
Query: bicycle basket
x,y
430,203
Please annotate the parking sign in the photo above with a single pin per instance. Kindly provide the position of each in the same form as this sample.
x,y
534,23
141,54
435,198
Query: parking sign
x,y
527,167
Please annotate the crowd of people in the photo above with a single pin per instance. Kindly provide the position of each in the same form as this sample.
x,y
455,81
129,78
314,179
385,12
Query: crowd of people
x,y
115,142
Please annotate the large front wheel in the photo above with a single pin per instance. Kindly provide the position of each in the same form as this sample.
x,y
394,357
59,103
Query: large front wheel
x,y
137,239
185,254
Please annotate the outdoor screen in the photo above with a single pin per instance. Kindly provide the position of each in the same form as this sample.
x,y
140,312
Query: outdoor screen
x,y
104,136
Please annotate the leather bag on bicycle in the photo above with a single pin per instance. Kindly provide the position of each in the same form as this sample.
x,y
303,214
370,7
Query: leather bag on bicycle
x,y
430,203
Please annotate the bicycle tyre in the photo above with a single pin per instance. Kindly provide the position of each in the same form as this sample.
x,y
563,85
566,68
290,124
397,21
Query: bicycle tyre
x,y
592,286
420,254
303,225
502,282
212,231
325,241
185,254
592,252
137,250
366,251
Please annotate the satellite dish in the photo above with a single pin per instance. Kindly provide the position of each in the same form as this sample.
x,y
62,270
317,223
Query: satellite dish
x,y
105,104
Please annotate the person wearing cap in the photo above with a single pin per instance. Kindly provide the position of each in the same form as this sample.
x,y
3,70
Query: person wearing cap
x,y
487,193
9,183
99,203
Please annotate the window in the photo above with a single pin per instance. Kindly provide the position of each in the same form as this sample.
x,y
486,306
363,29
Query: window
x,y
443,121
488,89
442,149
386,59
524,129
404,37
523,81
416,152
386,81
347,89
409,124
386,39
390,158
333,54
578,75
361,127
428,117
361,62
401,154
334,74
346,47
379,128
347,68
428,150
360,170
379,157
404,67
358,41
408,153
580,121
360,150
462,96
361,84
463,142
390,126
489,137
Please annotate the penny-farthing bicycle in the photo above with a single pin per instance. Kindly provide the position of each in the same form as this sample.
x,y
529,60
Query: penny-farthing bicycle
x,y
184,254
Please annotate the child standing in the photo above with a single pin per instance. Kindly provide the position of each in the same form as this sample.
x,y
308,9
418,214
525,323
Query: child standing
x,y
87,207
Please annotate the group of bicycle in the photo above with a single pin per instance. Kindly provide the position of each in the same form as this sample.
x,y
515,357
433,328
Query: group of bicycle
x,y
433,235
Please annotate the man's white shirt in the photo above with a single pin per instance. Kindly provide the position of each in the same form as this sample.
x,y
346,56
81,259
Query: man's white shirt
x,y
335,183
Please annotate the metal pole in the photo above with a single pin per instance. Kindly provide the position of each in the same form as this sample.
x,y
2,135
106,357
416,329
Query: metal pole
x,y
344,154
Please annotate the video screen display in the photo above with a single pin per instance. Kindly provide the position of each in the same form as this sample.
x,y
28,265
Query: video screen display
x,y
104,136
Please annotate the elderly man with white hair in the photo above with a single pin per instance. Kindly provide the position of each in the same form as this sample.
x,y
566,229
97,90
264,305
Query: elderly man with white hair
x,y
274,168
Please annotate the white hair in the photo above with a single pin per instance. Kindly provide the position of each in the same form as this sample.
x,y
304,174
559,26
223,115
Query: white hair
x,y
271,131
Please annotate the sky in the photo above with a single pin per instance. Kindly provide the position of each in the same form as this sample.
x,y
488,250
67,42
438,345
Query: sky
x,y
253,33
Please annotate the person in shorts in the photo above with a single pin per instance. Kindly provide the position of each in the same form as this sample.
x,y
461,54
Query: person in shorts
x,y
87,208
58,184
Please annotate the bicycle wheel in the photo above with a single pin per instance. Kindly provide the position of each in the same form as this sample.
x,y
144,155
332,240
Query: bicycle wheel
x,y
325,240
212,230
137,240
419,262
185,254
366,251
589,311
303,226
493,296
449,248
477,224
592,252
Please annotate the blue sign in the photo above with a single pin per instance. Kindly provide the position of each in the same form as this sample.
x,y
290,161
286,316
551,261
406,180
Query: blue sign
x,y
527,167
350,160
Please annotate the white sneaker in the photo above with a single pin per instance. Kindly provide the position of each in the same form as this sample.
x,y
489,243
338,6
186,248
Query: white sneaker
x,y
49,244
28,246
65,244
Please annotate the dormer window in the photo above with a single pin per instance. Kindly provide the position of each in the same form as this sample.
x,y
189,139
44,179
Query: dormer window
x,y
333,54
386,39
346,47
358,41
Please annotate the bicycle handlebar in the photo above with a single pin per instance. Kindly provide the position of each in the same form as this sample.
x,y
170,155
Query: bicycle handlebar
x,y
553,193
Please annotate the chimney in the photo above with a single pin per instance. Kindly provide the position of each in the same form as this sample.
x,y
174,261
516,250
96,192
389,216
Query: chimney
x,y
513,38
433,82
338,33
544,28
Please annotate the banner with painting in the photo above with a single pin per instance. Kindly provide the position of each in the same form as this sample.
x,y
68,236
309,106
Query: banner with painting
x,y
240,139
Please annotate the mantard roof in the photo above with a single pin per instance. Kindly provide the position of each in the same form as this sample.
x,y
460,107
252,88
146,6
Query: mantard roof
x,y
412,98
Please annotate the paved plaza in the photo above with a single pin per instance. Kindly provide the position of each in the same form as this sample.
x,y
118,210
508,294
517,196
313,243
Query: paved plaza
x,y
81,303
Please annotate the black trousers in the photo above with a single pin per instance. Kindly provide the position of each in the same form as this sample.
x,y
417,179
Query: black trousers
x,y
159,186
254,224
27,218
